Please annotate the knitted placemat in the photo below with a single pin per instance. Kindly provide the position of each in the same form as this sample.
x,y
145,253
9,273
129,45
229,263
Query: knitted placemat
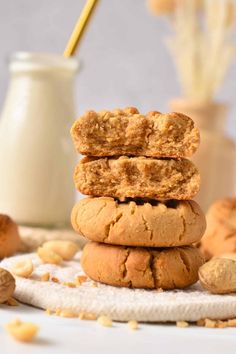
x,y
120,304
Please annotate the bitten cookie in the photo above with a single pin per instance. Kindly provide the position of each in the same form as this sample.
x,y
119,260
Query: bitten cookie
x,y
142,177
139,223
142,267
220,235
126,132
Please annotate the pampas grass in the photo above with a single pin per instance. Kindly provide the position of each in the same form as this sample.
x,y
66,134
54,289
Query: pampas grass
x,y
203,44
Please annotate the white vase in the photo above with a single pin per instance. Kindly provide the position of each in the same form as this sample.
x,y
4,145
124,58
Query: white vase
x,y
37,156
216,155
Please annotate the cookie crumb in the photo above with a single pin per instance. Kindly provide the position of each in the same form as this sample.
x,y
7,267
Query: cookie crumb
x,y
48,312
57,312
216,323
201,323
159,290
45,277
55,280
182,324
133,325
82,278
67,313
104,321
69,284
94,284
87,316
210,323
232,322
77,281
222,324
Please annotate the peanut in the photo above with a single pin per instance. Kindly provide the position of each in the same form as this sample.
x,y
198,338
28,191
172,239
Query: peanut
x,y
45,277
23,268
68,313
80,279
7,285
104,321
12,302
182,324
133,325
65,249
48,256
87,316
22,331
218,276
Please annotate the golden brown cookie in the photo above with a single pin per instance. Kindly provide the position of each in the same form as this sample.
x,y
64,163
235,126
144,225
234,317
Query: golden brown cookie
x,y
220,235
139,223
141,177
126,132
150,268
9,236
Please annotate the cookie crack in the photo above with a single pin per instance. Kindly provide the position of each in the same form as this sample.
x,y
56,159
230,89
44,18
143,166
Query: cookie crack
x,y
101,209
181,235
125,271
153,271
192,209
149,131
184,260
147,228
109,226
76,221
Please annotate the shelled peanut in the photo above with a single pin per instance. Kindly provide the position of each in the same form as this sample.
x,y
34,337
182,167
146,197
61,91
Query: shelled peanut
x,y
218,276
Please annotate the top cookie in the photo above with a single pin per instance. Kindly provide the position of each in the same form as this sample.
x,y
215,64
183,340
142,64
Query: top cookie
x,y
126,132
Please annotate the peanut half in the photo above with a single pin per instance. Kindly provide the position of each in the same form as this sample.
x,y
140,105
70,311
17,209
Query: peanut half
x,y
48,256
22,331
218,276
65,249
104,321
23,268
132,324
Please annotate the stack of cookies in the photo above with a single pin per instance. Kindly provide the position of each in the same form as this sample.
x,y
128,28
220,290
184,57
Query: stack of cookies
x,y
140,219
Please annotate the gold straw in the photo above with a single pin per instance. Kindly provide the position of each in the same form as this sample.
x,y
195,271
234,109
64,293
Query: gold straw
x,y
79,28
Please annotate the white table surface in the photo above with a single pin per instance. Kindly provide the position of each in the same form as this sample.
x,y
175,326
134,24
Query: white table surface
x,y
69,336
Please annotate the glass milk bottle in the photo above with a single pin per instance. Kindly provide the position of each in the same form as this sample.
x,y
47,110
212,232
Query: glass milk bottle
x,y
37,157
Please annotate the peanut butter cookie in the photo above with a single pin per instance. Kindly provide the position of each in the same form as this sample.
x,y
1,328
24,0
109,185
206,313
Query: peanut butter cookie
x,y
220,235
127,132
137,177
139,223
150,268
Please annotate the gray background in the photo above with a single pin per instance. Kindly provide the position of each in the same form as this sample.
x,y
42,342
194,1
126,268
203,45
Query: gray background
x,y
124,60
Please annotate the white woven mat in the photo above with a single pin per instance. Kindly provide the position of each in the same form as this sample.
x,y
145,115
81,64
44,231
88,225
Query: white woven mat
x,y
33,237
120,304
